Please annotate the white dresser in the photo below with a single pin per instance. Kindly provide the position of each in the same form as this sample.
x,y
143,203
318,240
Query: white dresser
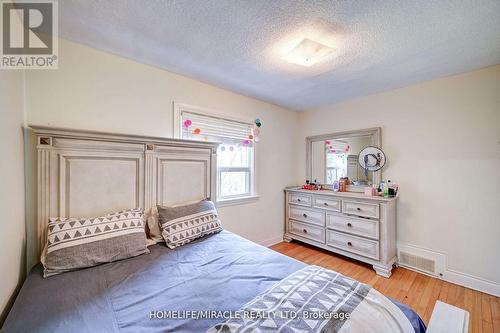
x,y
351,224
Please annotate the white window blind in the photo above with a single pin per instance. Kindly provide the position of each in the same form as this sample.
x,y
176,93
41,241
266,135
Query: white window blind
x,y
337,145
215,128
235,157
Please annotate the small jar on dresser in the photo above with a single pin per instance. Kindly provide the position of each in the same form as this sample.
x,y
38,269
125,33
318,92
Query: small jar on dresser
x,y
351,224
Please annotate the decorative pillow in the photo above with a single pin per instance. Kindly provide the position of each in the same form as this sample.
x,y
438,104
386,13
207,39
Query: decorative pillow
x,y
74,243
183,224
152,219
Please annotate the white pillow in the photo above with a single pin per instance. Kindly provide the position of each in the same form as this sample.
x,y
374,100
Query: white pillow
x,y
152,219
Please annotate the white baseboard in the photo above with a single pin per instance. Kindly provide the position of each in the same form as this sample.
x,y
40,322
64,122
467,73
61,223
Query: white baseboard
x,y
450,275
472,282
271,241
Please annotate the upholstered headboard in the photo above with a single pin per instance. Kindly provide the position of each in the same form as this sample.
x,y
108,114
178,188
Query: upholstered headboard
x,y
85,174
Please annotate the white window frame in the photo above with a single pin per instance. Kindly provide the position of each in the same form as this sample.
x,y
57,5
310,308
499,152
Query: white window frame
x,y
237,199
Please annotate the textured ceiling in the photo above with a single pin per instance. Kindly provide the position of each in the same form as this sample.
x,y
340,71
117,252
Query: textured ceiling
x,y
239,44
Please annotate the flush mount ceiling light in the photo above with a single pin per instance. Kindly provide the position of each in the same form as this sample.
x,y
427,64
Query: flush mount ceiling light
x,y
308,53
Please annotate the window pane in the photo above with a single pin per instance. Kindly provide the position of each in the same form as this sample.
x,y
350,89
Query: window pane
x,y
330,160
233,183
233,156
330,176
338,161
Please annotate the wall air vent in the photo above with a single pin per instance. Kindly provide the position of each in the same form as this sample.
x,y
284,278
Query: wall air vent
x,y
420,263
422,260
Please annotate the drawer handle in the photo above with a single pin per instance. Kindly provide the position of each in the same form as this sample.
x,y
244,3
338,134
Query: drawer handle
x,y
305,215
349,243
305,231
325,203
298,199
358,209
349,225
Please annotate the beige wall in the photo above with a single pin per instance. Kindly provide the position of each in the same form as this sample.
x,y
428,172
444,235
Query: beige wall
x,y
442,140
99,91
12,236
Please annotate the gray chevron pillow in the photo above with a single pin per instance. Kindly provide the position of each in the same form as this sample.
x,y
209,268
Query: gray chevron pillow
x,y
183,224
74,243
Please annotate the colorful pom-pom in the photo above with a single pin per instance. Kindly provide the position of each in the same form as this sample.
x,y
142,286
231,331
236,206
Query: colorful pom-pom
x,y
222,148
231,148
327,142
197,131
250,137
246,142
187,123
256,139
257,121
256,131
258,124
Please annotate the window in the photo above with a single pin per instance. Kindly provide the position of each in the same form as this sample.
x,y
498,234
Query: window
x,y
336,160
235,156
336,167
234,171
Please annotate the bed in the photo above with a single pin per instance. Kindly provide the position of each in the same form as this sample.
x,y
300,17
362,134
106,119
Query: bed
x,y
157,292
218,272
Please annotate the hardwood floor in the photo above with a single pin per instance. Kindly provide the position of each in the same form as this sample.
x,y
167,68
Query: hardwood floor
x,y
418,291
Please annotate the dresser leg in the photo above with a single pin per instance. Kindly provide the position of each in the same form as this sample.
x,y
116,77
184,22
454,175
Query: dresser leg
x,y
383,270
287,239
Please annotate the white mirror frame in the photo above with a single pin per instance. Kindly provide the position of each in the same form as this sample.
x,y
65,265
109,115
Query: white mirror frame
x,y
376,140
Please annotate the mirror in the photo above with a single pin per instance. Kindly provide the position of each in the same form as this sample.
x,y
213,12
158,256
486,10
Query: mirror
x,y
335,155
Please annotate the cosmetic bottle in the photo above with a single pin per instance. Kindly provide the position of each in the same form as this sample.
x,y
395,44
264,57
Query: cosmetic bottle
x,y
336,186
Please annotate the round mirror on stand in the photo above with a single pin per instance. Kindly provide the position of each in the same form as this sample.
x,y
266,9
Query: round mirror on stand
x,y
371,159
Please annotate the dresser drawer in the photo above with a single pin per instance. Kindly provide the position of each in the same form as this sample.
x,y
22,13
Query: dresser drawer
x,y
327,203
300,199
353,225
307,231
362,246
306,215
360,209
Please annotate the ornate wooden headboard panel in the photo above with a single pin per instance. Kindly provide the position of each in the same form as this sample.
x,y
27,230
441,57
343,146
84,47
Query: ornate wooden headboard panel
x,y
85,174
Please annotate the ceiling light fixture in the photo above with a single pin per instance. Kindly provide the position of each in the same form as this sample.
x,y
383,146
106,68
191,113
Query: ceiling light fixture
x,y
308,53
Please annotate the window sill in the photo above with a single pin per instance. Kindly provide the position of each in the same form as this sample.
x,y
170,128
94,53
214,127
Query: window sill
x,y
237,201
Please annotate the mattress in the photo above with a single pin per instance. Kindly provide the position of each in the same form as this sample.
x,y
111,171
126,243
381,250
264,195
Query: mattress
x,y
158,292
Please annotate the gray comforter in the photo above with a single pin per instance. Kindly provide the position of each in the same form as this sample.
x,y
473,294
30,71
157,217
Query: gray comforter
x,y
318,300
157,292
